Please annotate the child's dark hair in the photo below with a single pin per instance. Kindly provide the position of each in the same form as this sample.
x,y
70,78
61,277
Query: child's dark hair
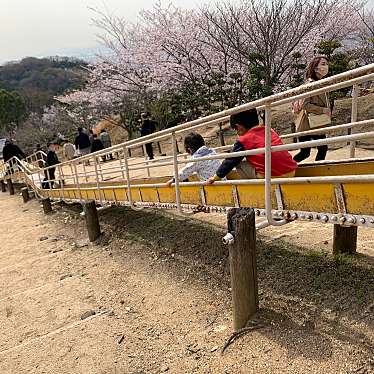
x,y
248,119
193,141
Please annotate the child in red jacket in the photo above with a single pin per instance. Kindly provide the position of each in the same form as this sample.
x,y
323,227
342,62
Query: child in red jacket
x,y
251,135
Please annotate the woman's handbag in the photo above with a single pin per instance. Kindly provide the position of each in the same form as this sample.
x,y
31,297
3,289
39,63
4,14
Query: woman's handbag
x,y
318,120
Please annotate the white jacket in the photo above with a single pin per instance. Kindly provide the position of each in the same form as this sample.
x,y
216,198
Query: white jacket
x,y
204,169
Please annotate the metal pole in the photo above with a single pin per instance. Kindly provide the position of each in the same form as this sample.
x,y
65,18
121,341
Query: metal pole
x,y
75,173
100,169
125,158
61,183
97,179
175,159
84,171
268,169
352,144
324,130
121,163
49,179
40,180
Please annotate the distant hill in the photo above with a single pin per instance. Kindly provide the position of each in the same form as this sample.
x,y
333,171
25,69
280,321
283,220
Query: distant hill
x,y
39,79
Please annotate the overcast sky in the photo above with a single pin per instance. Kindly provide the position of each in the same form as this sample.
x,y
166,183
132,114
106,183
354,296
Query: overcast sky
x,y
58,27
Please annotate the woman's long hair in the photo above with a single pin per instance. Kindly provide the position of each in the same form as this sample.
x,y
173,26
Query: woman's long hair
x,y
311,69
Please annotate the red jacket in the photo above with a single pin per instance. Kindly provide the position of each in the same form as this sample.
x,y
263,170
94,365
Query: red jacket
x,y
281,161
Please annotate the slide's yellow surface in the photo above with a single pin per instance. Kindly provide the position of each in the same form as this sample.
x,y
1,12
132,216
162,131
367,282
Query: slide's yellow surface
x,y
330,196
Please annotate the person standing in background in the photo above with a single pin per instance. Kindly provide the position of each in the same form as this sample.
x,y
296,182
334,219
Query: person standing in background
x,y
12,150
40,156
97,144
147,127
107,142
52,160
68,150
312,110
82,143
91,135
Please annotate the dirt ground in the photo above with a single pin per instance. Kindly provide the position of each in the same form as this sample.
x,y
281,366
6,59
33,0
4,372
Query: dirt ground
x,y
152,295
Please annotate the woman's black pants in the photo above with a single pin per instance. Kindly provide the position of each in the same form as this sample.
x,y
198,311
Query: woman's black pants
x,y
305,152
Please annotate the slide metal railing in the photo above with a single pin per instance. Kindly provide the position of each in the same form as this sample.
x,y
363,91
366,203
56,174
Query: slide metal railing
x,y
124,167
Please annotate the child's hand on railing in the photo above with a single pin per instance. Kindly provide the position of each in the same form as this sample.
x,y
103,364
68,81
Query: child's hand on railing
x,y
211,180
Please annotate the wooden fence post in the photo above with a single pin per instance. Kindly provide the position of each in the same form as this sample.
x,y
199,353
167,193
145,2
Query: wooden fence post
x,y
10,186
3,186
345,239
92,220
25,194
47,206
243,265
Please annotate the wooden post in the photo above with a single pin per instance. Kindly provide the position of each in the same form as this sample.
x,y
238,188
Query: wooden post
x,y
345,239
47,207
243,265
10,186
3,186
25,194
92,220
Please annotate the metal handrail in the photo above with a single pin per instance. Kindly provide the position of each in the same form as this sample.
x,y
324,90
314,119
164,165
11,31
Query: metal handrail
x,y
335,82
351,78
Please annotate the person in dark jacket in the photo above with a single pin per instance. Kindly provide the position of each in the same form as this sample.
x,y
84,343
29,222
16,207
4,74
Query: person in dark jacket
x,y
148,127
52,160
82,143
97,144
40,157
91,136
12,150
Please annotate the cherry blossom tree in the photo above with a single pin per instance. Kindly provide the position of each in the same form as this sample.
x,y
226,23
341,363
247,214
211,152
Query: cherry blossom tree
x,y
39,128
364,50
201,60
275,30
